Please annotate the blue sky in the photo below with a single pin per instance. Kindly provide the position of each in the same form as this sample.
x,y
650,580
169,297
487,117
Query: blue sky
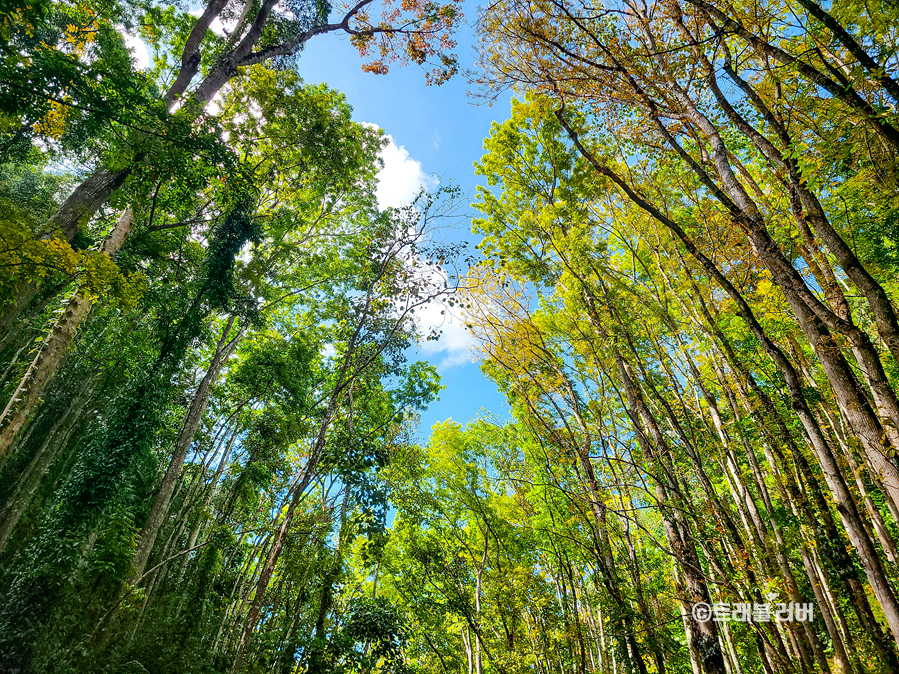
x,y
436,131
436,135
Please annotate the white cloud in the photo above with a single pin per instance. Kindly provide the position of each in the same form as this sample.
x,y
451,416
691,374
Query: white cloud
x,y
455,341
399,182
436,141
139,53
402,177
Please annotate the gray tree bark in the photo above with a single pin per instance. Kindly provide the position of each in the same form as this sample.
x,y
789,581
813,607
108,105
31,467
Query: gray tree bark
x,y
702,635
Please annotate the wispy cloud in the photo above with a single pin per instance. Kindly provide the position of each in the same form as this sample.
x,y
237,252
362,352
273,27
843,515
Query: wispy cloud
x,y
402,177
399,182
455,342
216,26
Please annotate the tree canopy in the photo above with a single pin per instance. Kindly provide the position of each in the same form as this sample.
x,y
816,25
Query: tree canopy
x,y
686,288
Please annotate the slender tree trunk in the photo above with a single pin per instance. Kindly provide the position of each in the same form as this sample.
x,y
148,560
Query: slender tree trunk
x,y
30,480
840,91
783,564
479,584
96,190
846,505
833,420
271,559
803,199
826,532
704,637
841,657
812,316
163,498
848,512
52,352
469,655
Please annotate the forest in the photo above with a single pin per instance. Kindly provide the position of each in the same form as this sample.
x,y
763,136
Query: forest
x,y
680,270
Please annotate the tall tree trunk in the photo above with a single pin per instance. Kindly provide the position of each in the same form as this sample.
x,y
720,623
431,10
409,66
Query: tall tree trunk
x,y
271,559
316,663
847,508
54,347
704,637
815,320
479,587
825,530
783,564
840,91
803,199
30,480
191,424
96,190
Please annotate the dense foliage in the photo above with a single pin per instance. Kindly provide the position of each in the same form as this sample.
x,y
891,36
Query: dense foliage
x,y
686,290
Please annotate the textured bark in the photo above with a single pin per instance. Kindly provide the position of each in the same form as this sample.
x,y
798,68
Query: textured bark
x,y
97,188
53,350
190,57
85,201
76,211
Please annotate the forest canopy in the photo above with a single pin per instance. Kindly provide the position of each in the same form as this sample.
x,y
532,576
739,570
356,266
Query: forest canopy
x,y
685,285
